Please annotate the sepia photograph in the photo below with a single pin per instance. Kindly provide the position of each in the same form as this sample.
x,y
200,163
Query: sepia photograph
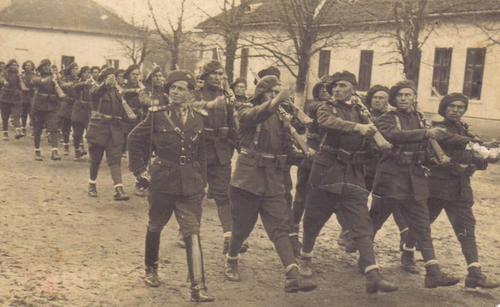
x,y
250,153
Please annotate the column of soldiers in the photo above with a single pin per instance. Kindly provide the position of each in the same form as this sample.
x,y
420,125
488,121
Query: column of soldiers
x,y
379,145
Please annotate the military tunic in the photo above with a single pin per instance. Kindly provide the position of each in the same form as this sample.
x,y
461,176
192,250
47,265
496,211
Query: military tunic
x,y
10,100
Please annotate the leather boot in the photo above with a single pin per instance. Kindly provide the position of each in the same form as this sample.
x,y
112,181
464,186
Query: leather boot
x,y
296,245
435,278
476,278
152,247
140,190
376,283
82,150
120,194
92,191
295,282
305,267
408,262
5,135
55,155
66,149
19,133
78,154
196,270
231,269
38,155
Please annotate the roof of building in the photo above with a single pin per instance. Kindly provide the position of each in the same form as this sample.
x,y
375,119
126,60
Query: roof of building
x,y
85,16
261,12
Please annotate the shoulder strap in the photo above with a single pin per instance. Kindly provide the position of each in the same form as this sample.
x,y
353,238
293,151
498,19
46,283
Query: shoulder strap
x,y
171,123
398,121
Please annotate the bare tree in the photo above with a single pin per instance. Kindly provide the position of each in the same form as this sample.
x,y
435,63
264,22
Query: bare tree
x,y
176,37
299,37
139,46
228,25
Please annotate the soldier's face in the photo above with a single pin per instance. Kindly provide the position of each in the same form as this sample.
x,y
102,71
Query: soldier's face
x,y
342,90
46,69
199,84
179,93
269,95
214,79
455,110
134,76
95,73
239,89
157,79
405,99
29,67
380,100
323,94
74,71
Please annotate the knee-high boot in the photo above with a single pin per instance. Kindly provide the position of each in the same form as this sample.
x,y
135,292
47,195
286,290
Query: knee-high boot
x,y
196,270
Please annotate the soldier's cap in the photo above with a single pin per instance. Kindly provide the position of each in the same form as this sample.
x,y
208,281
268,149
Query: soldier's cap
x,y
149,77
269,71
341,76
237,81
180,75
43,63
83,70
129,70
26,64
11,63
68,69
448,99
105,73
372,91
323,82
265,85
209,68
393,92
95,67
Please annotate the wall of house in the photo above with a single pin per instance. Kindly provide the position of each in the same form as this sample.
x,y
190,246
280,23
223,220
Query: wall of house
x,y
35,45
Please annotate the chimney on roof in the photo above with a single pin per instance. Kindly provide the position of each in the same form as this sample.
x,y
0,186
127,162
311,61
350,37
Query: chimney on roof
x,y
4,4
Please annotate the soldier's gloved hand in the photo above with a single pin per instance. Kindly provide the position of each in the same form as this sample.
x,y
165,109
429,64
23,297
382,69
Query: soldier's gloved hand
x,y
436,133
365,129
143,179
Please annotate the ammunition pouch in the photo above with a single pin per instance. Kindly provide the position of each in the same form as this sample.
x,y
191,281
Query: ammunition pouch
x,y
348,157
265,159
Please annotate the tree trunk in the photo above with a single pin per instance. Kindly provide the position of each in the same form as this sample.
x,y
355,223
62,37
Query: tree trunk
x,y
301,82
231,41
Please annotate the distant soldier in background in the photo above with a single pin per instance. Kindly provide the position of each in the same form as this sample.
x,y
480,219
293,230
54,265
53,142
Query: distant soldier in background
x,y
45,106
239,87
220,138
106,132
28,94
450,187
80,114
120,77
131,95
94,72
10,99
66,109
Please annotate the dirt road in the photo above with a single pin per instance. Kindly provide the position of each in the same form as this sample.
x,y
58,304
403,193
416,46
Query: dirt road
x,y
59,247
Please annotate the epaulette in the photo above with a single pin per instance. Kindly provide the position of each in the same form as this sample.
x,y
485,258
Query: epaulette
x,y
157,108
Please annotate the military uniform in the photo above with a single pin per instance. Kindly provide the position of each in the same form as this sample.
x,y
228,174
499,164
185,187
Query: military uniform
x,y
402,181
27,95
45,106
80,114
106,134
450,189
178,179
66,108
10,99
257,186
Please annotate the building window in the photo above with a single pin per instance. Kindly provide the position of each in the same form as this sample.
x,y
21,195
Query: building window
x,y
113,63
244,63
66,60
474,68
215,54
365,69
441,74
324,63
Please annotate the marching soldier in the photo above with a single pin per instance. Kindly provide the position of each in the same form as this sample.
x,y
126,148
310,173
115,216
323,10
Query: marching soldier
x,y
10,99
258,183
106,132
450,187
220,136
45,106
80,114
377,100
337,178
130,93
27,96
66,109
94,72
401,178
177,176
